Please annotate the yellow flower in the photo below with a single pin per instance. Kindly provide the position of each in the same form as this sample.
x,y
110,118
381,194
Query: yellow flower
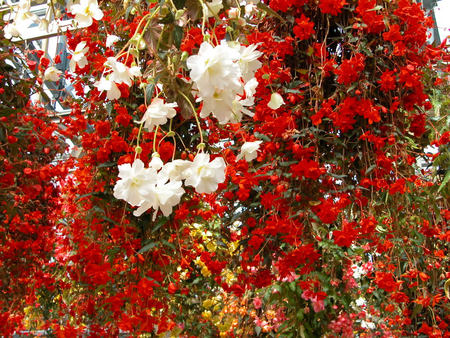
x,y
208,303
207,314
205,272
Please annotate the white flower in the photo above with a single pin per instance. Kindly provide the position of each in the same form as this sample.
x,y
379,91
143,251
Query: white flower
x,y
162,195
203,175
249,151
11,31
79,57
111,40
215,69
360,302
85,11
105,84
121,73
175,170
156,162
112,91
24,17
276,101
234,13
250,9
249,62
52,74
133,180
212,8
157,113
43,25
219,104
250,90
367,325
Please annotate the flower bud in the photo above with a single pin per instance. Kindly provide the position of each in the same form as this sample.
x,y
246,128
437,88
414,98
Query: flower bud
x,y
276,101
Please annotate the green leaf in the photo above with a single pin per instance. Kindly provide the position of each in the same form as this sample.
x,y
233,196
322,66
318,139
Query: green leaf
x,y
262,137
177,36
445,181
147,247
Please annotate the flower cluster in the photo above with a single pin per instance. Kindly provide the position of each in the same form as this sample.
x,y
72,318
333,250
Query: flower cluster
x,y
160,185
118,73
224,77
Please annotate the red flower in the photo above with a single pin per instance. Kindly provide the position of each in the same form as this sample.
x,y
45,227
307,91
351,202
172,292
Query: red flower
x,y
304,28
332,7
349,71
347,235
387,81
385,281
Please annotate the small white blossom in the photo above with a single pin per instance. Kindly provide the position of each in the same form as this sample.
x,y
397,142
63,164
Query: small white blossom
x,y
79,57
52,74
157,113
234,13
249,151
367,325
249,62
276,101
11,31
162,195
121,73
111,40
360,302
203,175
24,17
175,169
219,104
215,69
112,91
133,180
85,11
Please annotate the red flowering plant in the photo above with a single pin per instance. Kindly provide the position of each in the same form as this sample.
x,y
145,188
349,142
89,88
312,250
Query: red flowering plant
x,y
30,145
243,168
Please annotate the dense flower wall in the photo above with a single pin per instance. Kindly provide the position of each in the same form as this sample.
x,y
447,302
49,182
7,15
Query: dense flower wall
x,y
241,168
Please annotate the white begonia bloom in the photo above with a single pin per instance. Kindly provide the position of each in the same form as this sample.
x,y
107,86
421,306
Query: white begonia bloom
x,y
23,18
234,13
249,62
11,31
156,162
250,9
367,325
133,178
85,11
212,8
52,74
360,302
157,113
175,169
162,195
250,90
249,151
239,104
112,91
43,25
219,104
215,69
121,73
111,40
276,101
79,57
203,175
